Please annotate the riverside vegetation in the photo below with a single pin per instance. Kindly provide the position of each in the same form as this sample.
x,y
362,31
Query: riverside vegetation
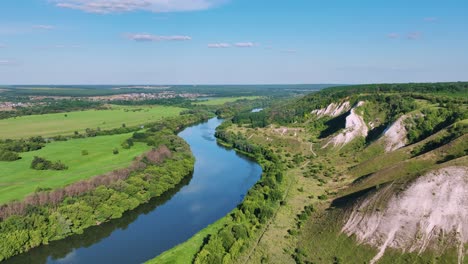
x,y
323,184
325,156
52,214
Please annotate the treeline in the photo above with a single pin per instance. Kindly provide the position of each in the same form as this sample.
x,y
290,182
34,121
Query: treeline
x,y
52,106
49,215
177,101
231,109
453,132
278,90
434,120
425,88
9,148
401,96
253,213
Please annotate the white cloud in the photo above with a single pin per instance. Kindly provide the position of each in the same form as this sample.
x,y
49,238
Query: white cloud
x,y
7,62
245,44
430,19
120,6
229,45
67,46
393,35
289,51
219,45
144,37
44,27
414,35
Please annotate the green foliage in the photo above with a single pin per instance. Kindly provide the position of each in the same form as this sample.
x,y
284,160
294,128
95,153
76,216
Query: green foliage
x,y
51,106
391,100
55,220
6,155
433,120
453,132
127,144
254,212
92,122
39,163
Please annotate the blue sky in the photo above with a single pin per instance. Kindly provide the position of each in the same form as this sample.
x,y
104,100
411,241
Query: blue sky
x,y
232,41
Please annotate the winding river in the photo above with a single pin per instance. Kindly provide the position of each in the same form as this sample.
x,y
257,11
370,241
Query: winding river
x,y
220,180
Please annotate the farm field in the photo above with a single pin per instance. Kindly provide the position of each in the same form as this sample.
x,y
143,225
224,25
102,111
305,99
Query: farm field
x,y
17,180
223,100
67,123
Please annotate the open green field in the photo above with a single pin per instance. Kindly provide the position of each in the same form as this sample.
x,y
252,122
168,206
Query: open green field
x,y
17,180
223,100
66,123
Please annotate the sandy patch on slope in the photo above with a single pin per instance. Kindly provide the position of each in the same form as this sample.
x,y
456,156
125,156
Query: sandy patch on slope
x,y
333,109
395,136
355,127
433,207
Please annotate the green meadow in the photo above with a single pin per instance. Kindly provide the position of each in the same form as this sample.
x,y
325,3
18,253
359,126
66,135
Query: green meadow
x,y
48,125
17,180
223,100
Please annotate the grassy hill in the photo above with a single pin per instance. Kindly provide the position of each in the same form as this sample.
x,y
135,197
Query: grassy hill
x,y
406,132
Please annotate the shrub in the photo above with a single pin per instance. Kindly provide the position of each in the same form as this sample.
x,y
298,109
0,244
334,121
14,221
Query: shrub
x,y
322,197
115,151
127,144
84,153
39,163
9,156
58,165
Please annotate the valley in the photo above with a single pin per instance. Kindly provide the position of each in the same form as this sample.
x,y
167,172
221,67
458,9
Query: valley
x,y
344,173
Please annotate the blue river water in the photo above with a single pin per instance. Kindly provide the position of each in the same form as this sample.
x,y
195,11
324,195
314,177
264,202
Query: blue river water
x,y
220,180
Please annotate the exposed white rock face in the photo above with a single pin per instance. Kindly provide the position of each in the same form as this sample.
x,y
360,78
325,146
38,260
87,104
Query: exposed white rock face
x,y
395,136
333,109
355,127
432,208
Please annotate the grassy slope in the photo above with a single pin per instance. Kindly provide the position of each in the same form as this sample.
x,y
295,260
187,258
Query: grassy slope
x,y
57,124
185,252
277,245
223,100
17,179
321,240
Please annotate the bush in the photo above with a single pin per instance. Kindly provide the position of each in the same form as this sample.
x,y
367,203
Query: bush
x,y
127,144
39,163
84,153
9,156
59,165
322,197
115,151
